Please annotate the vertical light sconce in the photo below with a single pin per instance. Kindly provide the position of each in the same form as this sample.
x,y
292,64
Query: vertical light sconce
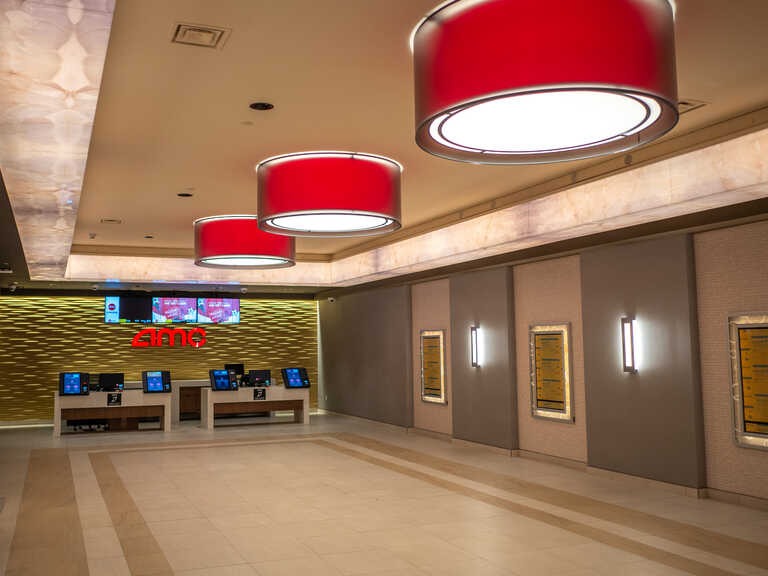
x,y
628,330
474,352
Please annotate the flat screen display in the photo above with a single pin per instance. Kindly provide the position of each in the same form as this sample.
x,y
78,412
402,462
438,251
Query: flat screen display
x,y
169,310
218,311
221,380
295,378
154,381
73,383
111,382
126,309
260,377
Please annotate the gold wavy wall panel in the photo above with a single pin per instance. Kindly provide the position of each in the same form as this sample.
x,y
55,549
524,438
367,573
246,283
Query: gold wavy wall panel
x,y
42,336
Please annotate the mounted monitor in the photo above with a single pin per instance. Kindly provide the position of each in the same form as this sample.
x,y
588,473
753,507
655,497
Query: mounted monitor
x,y
218,311
222,380
73,383
174,310
110,382
260,377
238,369
127,309
156,382
295,378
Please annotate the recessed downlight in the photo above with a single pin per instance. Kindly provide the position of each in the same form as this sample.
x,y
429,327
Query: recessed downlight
x,y
261,106
185,195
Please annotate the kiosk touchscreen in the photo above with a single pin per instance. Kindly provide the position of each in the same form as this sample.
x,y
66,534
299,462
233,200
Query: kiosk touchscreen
x,y
223,380
114,382
295,378
156,382
73,383
260,378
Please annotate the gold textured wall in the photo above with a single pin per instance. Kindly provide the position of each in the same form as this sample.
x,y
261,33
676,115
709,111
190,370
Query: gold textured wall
x,y
42,336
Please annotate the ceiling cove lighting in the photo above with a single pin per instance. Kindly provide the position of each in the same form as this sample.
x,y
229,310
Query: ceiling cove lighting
x,y
474,351
534,81
236,242
329,194
628,333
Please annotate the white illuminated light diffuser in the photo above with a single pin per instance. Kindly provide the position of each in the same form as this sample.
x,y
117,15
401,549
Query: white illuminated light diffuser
x,y
545,122
474,357
628,329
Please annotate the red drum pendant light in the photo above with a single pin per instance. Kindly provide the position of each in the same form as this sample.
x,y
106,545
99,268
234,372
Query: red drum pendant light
x,y
237,242
329,194
536,81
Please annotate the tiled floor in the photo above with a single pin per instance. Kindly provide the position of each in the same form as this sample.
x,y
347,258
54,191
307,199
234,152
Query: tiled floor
x,y
345,496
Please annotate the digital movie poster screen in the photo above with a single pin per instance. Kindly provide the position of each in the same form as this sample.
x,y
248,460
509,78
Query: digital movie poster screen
x,y
170,310
218,310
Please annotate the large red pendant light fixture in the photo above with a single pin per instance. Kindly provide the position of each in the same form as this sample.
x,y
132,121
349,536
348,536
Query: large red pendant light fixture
x,y
237,242
535,81
329,194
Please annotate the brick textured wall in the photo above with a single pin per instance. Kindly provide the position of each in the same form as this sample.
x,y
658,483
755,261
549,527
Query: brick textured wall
x,y
732,277
550,292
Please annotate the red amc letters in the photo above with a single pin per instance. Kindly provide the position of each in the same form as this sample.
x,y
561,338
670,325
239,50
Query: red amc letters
x,y
195,337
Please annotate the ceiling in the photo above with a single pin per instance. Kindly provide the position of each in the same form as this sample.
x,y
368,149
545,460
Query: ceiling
x,y
174,118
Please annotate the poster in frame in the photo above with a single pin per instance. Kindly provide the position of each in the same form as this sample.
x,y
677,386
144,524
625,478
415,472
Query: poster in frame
x,y
550,372
748,344
433,388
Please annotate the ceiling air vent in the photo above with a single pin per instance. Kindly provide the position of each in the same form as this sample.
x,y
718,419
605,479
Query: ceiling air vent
x,y
200,35
685,106
111,221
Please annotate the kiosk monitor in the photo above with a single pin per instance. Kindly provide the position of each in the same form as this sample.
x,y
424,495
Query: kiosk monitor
x,y
222,380
156,381
73,383
111,382
260,377
295,378
238,369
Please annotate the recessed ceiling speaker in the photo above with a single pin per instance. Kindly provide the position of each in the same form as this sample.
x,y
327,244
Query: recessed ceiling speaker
x,y
539,81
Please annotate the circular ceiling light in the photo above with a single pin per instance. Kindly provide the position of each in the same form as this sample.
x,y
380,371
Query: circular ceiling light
x,y
237,242
329,194
527,81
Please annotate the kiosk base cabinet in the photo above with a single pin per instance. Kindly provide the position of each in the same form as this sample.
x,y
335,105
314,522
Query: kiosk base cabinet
x,y
242,401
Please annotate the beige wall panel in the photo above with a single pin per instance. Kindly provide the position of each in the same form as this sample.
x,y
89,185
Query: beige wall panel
x,y
42,336
732,277
431,310
550,292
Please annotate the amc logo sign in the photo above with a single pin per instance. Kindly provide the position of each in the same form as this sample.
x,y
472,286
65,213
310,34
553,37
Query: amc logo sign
x,y
150,337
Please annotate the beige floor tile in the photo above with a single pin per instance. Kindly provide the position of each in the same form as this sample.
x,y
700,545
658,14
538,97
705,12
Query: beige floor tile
x,y
367,562
262,546
101,543
308,566
239,570
595,555
111,566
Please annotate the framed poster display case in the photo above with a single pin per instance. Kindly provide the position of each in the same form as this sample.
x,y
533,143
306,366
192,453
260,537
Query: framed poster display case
x,y
550,372
748,339
433,366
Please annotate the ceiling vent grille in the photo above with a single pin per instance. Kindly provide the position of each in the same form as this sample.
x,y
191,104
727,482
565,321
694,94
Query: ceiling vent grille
x,y
685,106
200,35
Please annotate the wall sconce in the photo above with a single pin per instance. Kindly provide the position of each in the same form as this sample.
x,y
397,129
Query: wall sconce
x,y
474,352
628,330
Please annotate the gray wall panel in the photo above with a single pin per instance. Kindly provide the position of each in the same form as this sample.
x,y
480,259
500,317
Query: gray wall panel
x,y
366,355
650,423
484,399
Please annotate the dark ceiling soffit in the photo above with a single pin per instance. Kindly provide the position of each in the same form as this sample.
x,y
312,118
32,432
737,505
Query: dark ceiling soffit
x,y
10,243
706,219
64,292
